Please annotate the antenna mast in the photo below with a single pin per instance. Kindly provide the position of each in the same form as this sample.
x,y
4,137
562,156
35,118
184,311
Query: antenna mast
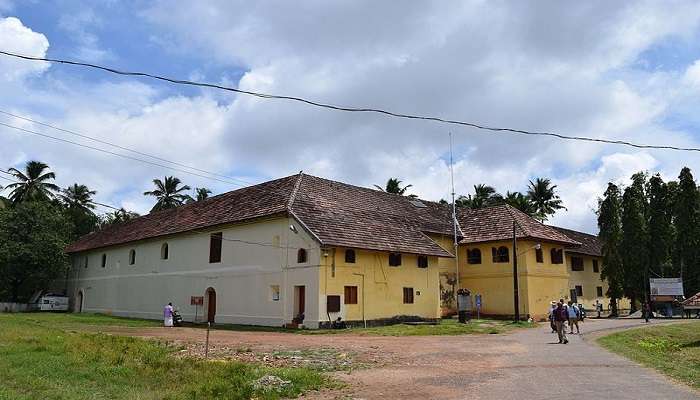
x,y
454,217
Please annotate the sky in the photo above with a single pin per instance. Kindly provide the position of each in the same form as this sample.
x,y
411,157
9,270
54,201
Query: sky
x,y
615,70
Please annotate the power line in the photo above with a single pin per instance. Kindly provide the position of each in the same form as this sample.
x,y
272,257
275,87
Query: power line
x,y
117,154
120,147
354,109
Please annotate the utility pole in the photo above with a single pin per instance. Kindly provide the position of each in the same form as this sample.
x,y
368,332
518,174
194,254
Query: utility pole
x,y
454,222
516,302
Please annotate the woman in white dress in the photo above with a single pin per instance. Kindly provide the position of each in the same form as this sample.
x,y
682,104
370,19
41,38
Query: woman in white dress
x,y
168,315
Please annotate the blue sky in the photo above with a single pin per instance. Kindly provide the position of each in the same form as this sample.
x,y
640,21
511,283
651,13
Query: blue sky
x,y
622,71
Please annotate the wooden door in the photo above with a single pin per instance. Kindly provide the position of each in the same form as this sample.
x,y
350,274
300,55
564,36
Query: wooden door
x,y
211,305
302,299
79,300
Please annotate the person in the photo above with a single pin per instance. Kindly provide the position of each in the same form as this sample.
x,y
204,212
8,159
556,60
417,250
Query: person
x,y
581,312
572,312
646,310
168,315
552,324
560,317
598,307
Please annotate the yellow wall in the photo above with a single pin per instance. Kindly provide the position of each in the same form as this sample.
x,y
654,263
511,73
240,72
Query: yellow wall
x,y
589,280
383,285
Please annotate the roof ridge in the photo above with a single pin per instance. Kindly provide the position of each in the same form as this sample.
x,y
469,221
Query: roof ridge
x,y
295,189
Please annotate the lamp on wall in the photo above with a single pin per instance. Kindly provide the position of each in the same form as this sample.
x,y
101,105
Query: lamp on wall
x,y
293,228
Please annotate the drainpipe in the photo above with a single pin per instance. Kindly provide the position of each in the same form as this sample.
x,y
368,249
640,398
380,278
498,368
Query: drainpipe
x,y
364,320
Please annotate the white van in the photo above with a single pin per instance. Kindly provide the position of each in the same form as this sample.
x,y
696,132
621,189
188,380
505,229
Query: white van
x,y
52,302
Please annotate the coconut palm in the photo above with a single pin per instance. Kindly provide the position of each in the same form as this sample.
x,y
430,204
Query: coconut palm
x,y
34,183
544,198
393,185
78,197
484,196
202,193
168,193
521,202
117,217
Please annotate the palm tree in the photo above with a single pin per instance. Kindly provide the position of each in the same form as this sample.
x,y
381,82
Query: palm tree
x,y
168,193
202,193
544,198
78,197
117,217
484,196
33,183
521,202
393,185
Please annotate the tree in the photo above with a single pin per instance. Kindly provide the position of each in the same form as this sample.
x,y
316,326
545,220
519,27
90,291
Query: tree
x,y
393,185
659,225
168,193
32,238
521,202
117,217
201,194
635,242
484,196
34,183
544,197
610,233
78,205
686,223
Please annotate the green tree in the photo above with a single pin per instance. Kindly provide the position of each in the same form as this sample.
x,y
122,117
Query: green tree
x,y
202,193
521,202
484,196
544,197
635,240
660,226
610,233
32,238
117,217
77,202
393,185
169,193
34,183
686,223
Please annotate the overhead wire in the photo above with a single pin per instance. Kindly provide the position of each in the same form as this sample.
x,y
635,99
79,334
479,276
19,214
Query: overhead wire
x,y
352,109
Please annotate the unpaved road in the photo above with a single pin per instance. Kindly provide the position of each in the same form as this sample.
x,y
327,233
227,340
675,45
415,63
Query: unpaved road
x,y
525,364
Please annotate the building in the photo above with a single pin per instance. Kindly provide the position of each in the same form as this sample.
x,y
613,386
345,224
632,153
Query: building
x,y
307,250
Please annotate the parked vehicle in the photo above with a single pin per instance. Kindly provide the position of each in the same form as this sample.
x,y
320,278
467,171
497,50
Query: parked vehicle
x,y
177,318
48,302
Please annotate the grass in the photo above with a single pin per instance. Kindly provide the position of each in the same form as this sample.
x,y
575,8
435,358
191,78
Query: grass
x,y
673,350
43,357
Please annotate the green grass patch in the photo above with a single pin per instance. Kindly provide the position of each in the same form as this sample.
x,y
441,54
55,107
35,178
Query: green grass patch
x,y
42,357
673,349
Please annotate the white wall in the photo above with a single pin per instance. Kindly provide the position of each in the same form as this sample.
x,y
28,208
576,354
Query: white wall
x,y
242,279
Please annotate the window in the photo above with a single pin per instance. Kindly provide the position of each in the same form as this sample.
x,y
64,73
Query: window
x,y
422,261
333,303
557,256
215,247
104,260
579,290
599,291
301,256
576,264
86,262
408,295
164,251
350,294
350,256
394,259
500,255
473,256
539,257
132,257
275,292
596,268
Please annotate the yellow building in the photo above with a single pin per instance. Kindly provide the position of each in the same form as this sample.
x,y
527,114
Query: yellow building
x,y
303,250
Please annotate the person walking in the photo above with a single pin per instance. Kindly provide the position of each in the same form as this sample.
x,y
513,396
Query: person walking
x,y
560,317
646,310
552,308
572,312
168,315
598,307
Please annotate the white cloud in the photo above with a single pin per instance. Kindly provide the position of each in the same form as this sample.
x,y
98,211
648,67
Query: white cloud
x,y
17,38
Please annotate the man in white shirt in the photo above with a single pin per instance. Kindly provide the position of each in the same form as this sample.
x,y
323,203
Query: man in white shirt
x,y
573,318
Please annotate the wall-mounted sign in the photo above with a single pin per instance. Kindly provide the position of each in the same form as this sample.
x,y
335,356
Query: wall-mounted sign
x,y
196,300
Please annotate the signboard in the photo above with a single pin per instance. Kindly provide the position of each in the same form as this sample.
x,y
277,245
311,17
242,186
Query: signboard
x,y
196,300
666,286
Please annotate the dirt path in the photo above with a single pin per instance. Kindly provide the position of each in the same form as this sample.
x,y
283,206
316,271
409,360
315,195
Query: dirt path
x,y
526,364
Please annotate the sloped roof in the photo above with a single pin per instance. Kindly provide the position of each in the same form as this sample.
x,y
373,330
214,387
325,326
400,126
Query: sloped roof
x,y
692,301
590,244
338,214
496,223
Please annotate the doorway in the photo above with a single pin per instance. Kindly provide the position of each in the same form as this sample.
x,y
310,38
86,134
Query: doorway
x,y
211,305
79,302
299,303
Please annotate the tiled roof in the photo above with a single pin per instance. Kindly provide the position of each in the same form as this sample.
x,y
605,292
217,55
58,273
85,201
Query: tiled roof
x,y
693,301
338,214
590,244
496,223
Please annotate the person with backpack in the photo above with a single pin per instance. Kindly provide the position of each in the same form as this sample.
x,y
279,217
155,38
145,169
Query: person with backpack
x,y
573,314
561,315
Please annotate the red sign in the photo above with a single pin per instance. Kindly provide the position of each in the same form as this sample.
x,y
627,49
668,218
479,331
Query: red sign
x,y
197,300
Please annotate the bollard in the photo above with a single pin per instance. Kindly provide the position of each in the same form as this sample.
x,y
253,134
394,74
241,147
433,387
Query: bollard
x,y
206,345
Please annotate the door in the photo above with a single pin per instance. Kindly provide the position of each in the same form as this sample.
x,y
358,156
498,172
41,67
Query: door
x,y
211,305
79,304
299,303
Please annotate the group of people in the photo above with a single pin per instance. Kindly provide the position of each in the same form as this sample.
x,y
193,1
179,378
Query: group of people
x,y
561,313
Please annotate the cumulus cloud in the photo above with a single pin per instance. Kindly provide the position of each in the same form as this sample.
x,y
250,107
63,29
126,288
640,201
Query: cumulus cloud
x,y
17,38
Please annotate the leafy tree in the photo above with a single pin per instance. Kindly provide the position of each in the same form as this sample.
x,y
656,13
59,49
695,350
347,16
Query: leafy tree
x,y
610,228
484,196
660,224
202,193
393,185
635,241
34,183
686,221
78,205
117,217
169,193
32,238
521,202
544,197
